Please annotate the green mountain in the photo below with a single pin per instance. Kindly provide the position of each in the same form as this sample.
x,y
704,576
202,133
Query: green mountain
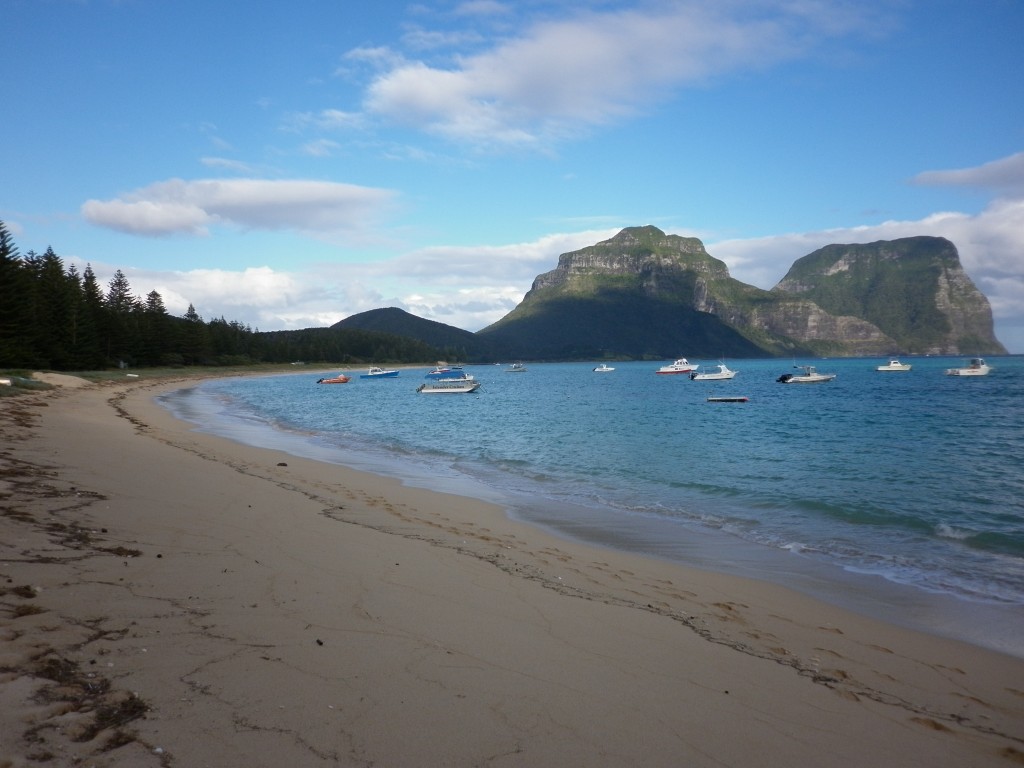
x,y
452,343
913,290
639,294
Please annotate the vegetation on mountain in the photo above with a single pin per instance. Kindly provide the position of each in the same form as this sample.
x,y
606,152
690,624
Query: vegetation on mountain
x,y
630,296
913,290
448,342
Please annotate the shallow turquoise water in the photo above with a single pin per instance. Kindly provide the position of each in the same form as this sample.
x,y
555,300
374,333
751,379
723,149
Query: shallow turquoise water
x,y
912,479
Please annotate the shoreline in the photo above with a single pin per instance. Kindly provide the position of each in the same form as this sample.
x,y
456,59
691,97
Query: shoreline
x,y
267,609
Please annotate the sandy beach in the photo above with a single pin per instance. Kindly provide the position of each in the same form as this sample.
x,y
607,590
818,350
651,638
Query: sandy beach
x,y
169,598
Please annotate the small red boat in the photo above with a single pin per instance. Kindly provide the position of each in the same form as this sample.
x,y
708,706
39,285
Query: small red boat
x,y
341,378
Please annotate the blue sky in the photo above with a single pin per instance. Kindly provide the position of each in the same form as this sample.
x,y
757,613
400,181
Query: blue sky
x,y
289,164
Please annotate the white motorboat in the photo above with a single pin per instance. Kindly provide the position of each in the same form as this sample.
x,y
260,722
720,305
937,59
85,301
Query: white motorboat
x,y
976,366
602,368
810,375
721,374
378,373
682,365
460,386
516,368
894,365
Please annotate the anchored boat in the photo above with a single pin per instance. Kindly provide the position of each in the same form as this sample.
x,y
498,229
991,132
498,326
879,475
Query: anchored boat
x,y
975,367
810,375
460,386
682,365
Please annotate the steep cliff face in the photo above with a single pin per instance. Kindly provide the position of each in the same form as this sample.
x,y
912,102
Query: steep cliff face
x,y
913,290
652,261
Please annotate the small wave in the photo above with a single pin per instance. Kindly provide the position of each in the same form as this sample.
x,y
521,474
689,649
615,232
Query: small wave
x,y
946,531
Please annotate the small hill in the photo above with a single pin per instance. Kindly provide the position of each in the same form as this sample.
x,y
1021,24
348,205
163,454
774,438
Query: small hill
x,y
453,343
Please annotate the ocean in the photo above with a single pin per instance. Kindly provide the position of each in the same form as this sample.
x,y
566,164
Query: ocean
x,y
899,495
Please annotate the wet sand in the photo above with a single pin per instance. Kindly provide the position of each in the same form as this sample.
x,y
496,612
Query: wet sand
x,y
171,598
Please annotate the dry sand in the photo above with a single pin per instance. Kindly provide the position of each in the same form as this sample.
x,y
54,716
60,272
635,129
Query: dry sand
x,y
169,598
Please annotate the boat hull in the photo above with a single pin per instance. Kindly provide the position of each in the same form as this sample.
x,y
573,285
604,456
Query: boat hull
x,y
798,379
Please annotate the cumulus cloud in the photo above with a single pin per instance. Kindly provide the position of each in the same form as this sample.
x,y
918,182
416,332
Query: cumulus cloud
x,y
563,75
192,207
490,265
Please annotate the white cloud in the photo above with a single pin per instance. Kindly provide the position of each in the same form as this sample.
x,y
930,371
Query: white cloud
x,y
482,8
326,120
320,148
192,207
564,75
1004,176
223,163
496,265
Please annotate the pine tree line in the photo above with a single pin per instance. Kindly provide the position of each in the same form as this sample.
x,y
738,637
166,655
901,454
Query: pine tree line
x,y
55,318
